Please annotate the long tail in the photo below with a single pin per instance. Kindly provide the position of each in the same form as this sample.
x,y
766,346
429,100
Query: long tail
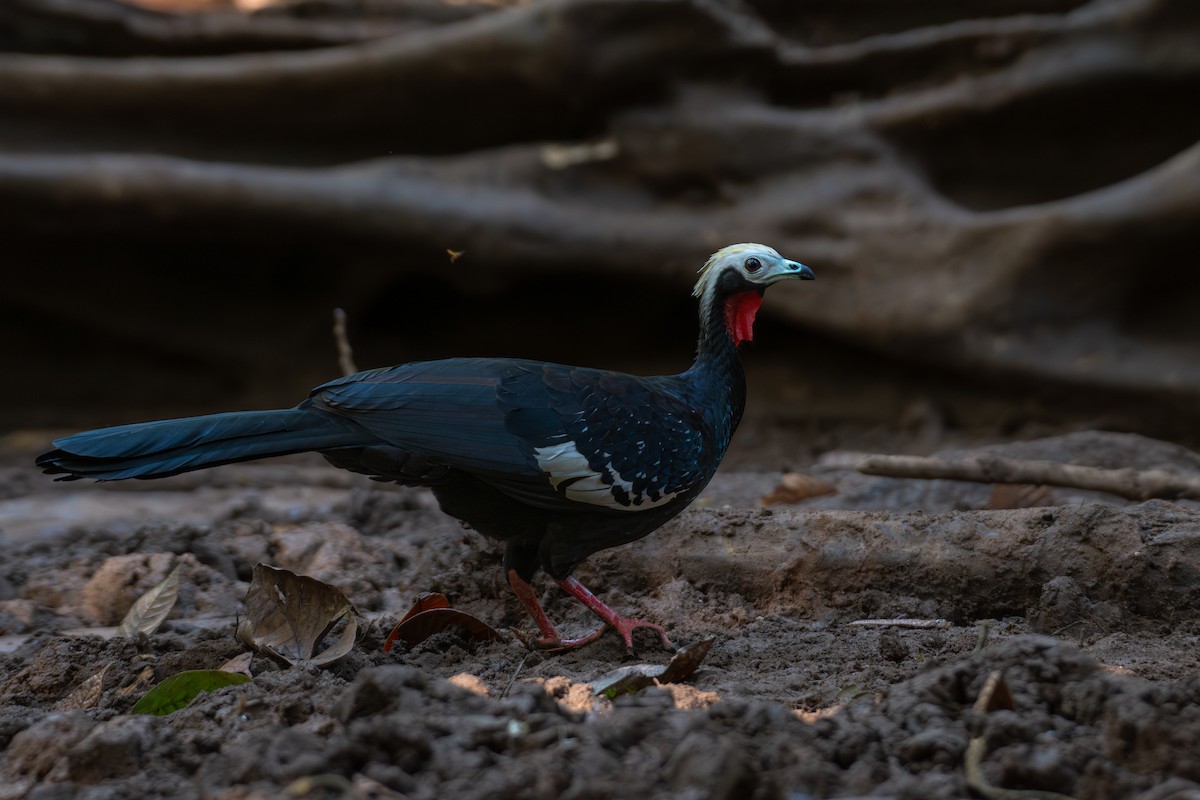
x,y
171,446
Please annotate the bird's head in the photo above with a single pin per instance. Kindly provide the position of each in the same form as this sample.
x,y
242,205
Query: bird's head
x,y
733,280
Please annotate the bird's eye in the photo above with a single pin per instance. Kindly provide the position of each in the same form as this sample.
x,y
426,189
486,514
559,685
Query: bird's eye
x,y
753,265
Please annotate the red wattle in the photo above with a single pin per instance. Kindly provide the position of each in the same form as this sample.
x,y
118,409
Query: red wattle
x,y
739,315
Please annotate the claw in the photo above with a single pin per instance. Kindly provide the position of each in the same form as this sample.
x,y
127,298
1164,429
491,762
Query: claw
x,y
556,645
625,626
551,642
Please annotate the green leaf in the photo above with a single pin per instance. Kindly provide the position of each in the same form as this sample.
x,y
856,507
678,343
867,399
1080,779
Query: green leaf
x,y
180,689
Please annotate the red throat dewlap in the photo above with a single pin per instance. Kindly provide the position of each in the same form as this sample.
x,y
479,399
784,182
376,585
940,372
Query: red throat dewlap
x,y
739,315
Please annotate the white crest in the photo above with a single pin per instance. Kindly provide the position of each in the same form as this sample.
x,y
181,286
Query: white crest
x,y
729,256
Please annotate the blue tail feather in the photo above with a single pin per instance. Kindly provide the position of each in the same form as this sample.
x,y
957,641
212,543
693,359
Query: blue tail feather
x,y
169,447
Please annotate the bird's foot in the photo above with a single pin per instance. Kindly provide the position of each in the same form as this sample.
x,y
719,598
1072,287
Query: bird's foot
x,y
622,625
556,644
625,626
551,642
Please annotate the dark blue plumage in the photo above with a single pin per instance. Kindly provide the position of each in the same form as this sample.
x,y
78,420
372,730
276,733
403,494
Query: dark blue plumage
x,y
556,461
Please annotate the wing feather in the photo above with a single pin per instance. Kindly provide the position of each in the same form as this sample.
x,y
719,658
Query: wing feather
x,y
555,437
442,410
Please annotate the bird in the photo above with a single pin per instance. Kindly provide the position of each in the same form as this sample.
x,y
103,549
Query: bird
x,y
555,461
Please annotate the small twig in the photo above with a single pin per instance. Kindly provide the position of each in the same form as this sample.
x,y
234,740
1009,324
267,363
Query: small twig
x,y
1067,627
995,695
516,673
345,353
940,624
1133,484
1085,621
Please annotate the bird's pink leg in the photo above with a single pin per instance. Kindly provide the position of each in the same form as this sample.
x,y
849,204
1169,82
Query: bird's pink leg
x,y
622,625
552,641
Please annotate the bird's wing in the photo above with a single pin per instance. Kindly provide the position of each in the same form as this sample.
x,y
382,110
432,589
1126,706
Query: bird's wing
x,y
555,437
606,440
446,411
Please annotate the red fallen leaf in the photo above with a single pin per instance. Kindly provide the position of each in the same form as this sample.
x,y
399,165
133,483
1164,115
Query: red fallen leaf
x,y
416,628
426,602
431,614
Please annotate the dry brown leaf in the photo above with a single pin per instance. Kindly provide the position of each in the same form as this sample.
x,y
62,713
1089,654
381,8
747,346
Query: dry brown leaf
x,y
341,645
796,487
86,694
239,664
628,680
287,616
152,608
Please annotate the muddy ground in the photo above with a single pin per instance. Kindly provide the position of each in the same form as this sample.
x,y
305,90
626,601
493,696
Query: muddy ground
x,y
1087,604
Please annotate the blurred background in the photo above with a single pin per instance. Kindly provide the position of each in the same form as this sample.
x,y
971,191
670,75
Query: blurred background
x,y
1000,199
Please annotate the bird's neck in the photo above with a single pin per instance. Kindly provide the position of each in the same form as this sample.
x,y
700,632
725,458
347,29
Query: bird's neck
x,y
717,370
726,320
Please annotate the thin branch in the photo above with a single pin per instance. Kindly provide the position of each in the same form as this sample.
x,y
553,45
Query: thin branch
x,y
925,624
345,352
515,675
1133,484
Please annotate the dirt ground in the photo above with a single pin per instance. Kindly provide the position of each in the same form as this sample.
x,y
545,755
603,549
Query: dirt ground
x,y
1085,603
